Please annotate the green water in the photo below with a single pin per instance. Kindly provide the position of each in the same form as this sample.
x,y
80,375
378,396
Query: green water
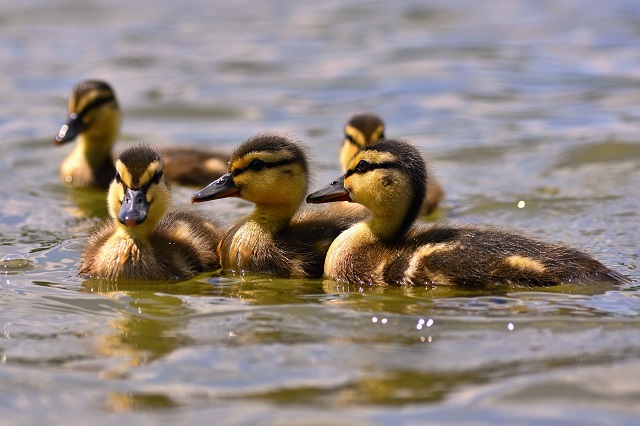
x,y
528,113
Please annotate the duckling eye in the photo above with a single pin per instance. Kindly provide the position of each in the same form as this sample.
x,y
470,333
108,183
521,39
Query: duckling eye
x,y
156,177
256,165
362,166
118,178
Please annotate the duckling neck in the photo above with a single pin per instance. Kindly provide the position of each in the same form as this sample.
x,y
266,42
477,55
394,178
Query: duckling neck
x,y
93,151
138,235
273,218
385,227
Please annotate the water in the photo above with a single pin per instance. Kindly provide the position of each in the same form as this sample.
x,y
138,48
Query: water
x,y
528,112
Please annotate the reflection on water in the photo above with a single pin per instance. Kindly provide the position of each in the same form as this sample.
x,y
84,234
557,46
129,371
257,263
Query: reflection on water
x,y
528,113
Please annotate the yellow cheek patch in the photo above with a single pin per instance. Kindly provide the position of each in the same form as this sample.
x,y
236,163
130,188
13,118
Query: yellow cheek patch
x,y
525,264
114,198
356,135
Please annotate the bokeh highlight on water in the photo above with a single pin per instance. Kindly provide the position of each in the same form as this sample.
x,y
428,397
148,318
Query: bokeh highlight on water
x,y
528,111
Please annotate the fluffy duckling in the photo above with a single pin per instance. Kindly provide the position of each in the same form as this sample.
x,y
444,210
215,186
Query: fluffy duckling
x,y
366,128
271,171
94,120
389,178
141,242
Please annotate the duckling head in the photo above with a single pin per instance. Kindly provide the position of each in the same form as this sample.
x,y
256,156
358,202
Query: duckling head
x,y
389,178
138,196
93,114
269,170
362,129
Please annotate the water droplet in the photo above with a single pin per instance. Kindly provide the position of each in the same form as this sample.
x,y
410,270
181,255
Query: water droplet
x,y
14,261
521,204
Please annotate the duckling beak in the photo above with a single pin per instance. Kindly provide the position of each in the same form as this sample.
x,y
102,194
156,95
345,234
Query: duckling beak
x,y
222,187
134,207
69,130
335,191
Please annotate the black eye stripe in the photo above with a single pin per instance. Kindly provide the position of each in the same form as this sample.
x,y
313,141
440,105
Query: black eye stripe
x,y
97,102
155,179
373,166
267,165
351,139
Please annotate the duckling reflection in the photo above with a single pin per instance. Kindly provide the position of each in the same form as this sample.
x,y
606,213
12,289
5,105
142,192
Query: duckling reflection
x,y
389,178
271,171
143,328
365,129
94,120
141,242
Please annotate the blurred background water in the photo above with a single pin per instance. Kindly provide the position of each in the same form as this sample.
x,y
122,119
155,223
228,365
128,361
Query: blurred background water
x,y
512,101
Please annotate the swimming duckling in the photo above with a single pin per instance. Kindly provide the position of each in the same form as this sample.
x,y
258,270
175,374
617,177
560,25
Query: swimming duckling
x,y
389,178
271,171
141,242
94,119
366,128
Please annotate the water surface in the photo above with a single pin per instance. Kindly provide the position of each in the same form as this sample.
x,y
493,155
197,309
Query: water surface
x,y
528,112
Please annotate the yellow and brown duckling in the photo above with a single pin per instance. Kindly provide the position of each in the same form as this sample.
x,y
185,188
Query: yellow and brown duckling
x,y
271,171
142,241
365,129
94,120
389,178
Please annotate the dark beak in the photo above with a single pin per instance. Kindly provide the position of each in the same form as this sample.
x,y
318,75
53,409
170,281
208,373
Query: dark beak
x,y
69,130
134,207
335,191
222,187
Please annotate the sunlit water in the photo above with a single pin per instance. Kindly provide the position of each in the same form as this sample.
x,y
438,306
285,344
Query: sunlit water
x,y
528,111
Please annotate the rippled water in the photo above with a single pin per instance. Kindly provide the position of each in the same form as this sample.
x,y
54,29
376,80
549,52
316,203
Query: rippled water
x,y
511,100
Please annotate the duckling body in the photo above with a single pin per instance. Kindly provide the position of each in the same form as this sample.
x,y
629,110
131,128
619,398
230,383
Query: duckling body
x,y
141,242
365,129
389,178
193,166
271,171
94,120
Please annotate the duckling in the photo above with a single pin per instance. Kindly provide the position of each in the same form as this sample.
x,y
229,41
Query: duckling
x,y
271,171
94,119
141,242
389,178
366,128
